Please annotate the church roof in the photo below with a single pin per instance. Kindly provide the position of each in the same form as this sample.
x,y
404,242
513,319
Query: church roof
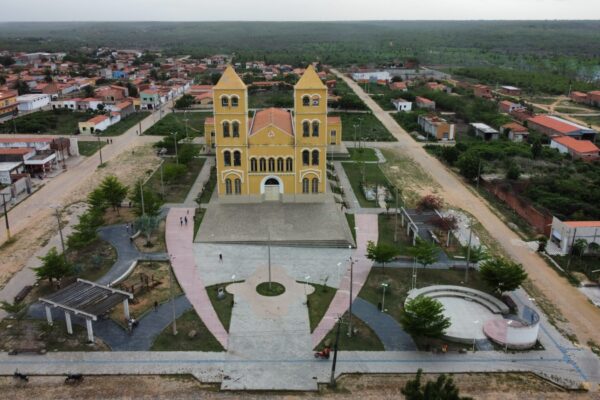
x,y
230,80
310,80
278,117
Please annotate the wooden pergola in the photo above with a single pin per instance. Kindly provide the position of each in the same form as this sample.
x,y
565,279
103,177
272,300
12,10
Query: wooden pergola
x,y
88,300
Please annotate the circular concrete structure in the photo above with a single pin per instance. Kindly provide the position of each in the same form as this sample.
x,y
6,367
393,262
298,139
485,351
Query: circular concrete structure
x,y
468,309
518,334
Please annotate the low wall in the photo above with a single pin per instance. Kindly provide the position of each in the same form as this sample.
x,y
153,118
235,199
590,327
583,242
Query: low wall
x,y
540,220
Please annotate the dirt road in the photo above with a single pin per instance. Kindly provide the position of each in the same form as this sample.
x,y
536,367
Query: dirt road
x,y
32,223
583,317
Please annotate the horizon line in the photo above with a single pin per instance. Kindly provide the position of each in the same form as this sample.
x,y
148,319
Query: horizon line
x,y
310,20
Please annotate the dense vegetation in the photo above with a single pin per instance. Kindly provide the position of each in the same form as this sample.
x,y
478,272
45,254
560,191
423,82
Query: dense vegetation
x,y
566,47
569,189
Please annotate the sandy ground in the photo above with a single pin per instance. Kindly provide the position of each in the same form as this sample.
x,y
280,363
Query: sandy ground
x,y
376,387
40,223
583,317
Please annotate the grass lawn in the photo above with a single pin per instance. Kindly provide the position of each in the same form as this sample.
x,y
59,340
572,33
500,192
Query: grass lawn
x,y
223,306
272,98
174,122
209,188
368,128
203,340
123,125
198,217
318,303
89,148
399,280
372,174
158,288
177,190
362,154
542,100
364,339
386,234
54,122
93,261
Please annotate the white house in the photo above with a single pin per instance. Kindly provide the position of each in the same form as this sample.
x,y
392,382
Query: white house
x,y
565,233
372,76
71,104
402,105
32,102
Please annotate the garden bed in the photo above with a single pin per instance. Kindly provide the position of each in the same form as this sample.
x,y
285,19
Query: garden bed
x,y
192,335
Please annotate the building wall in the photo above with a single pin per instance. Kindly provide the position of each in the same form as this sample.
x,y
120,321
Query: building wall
x,y
564,235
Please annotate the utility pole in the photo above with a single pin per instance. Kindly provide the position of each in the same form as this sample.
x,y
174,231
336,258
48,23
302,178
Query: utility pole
x,y
469,251
171,294
335,352
478,174
142,197
6,215
174,134
62,241
350,306
99,148
396,220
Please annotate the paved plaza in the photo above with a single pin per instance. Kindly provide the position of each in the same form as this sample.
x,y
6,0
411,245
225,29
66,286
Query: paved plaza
x,y
309,224
467,318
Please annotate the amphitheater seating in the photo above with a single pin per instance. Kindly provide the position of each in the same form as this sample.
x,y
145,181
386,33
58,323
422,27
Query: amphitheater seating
x,y
493,304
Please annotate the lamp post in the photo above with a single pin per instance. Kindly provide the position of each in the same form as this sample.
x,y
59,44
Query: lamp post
x,y
306,278
6,215
171,294
62,241
469,252
384,286
350,299
99,148
174,134
396,220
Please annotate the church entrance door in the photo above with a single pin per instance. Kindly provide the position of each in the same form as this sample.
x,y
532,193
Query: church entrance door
x,y
272,190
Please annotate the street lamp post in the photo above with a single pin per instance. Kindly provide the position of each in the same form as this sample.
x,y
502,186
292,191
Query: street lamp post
x,y
62,241
384,286
171,295
469,252
350,300
142,196
174,134
6,215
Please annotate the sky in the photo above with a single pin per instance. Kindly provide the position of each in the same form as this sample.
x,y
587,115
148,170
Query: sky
x,y
314,10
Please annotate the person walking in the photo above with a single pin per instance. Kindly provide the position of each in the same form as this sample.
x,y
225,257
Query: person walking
x,y
185,220
155,306
180,221
220,257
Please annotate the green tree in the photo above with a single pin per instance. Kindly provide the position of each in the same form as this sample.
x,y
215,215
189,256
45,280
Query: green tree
x,y
88,91
113,191
214,77
22,87
152,201
17,310
54,266
424,252
513,172
450,154
85,231
443,388
579,247
185,101
172,172
468,164
536,149
186,153
424,316
147,224
381,253
477,254
501,274
96,200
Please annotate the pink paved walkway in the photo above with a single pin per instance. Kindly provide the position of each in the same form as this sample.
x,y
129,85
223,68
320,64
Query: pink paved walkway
x,y
367,230
180,246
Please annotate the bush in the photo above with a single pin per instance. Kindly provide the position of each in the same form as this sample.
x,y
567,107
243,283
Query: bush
x,y
172,172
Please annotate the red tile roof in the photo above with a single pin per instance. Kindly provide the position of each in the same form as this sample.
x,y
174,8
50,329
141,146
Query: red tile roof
x,y
513,126
583,224
424,100
97,119
579,146
278,117
554,124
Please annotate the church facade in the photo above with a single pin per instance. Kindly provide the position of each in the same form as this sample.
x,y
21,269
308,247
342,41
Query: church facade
x,y
272,154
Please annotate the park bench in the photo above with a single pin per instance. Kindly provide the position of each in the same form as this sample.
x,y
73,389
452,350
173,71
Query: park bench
x,y
23,293
135,235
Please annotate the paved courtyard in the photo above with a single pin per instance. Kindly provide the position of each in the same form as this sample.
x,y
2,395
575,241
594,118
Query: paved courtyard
x,y
467,318
310,224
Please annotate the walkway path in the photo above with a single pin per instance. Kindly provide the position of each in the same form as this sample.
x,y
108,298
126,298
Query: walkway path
x,y
583,317
350,196
387,329
180,246
200,182
127,253
367,229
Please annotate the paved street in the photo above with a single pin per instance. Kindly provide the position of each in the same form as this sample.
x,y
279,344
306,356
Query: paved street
x,y
583,317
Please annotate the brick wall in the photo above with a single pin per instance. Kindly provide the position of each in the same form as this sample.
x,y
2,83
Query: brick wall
x,y
539,220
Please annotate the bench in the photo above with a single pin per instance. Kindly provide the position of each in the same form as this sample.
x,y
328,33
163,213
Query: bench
x,y
135,235
23,293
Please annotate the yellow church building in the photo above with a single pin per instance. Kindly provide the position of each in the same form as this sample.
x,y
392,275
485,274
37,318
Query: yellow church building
x,y
274,154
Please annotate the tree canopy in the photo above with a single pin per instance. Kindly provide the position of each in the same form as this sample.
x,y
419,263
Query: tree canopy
x,y
501,274
381,253
424,316
443,388
54,266
424,252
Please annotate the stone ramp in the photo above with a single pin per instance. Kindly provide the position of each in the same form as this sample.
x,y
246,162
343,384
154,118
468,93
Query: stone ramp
x,y
284,224
296,377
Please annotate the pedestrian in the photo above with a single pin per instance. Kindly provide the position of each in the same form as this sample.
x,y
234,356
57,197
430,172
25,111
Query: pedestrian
x,y
127,227
185,220
188,212
155,306
220,257
107,141
180,221
129,203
